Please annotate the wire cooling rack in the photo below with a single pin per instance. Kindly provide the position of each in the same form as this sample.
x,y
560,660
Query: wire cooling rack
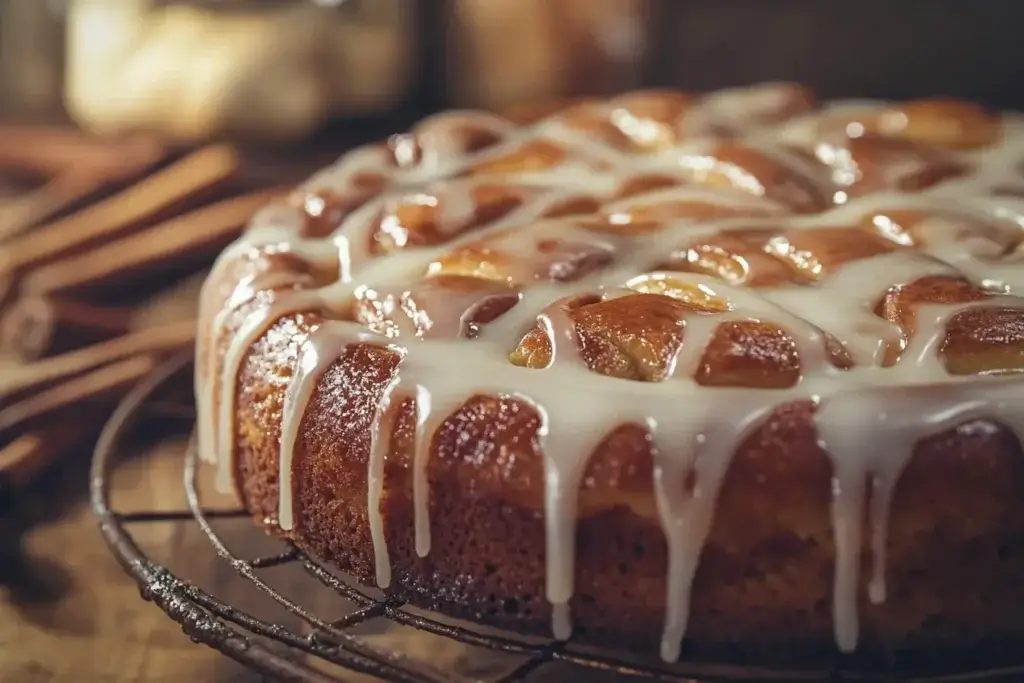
x,y
276,649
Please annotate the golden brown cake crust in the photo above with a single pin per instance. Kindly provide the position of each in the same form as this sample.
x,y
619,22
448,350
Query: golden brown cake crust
x,y
763,593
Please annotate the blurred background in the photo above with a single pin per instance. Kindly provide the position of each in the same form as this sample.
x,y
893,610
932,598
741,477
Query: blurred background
x,y
282,70
138,136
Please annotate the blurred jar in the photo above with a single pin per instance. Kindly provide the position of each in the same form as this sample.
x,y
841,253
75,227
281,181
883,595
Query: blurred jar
x,y
31,59
505,53
250,69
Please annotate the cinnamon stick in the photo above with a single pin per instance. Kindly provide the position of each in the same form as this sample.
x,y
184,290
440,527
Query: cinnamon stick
x,y
104,383
78,166
36,327
51,150
7,286
59,193
163,339
30,454
151,199
200,234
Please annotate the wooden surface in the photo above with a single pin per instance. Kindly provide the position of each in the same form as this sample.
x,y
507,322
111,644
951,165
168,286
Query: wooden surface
x,y
70,613
74,615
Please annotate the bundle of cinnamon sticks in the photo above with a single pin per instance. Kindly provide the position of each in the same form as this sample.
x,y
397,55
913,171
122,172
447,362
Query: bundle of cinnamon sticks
x,y
111,219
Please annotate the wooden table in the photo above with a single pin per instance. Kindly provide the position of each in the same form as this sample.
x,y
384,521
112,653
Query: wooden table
x,y
74,615
77,617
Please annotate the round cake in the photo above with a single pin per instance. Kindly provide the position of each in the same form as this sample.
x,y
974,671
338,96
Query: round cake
x,y
725,377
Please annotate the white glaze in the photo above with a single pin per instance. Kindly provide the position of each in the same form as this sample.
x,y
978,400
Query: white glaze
x,y
695,430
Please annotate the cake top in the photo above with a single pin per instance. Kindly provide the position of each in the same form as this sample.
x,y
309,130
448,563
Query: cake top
x,y
684,262
855,222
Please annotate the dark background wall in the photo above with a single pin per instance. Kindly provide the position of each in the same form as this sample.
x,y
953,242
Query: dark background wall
x,y
899,48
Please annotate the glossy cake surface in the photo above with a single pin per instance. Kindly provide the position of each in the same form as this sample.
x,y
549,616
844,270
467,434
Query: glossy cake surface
x,y
725,376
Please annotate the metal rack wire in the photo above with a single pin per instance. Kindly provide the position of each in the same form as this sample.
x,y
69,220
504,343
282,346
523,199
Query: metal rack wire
x,y
284,653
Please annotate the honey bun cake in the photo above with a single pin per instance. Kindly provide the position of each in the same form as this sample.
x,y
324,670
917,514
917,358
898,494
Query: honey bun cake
x,y
729,376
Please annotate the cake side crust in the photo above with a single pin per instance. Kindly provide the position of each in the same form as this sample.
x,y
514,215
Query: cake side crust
x,y
762,594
